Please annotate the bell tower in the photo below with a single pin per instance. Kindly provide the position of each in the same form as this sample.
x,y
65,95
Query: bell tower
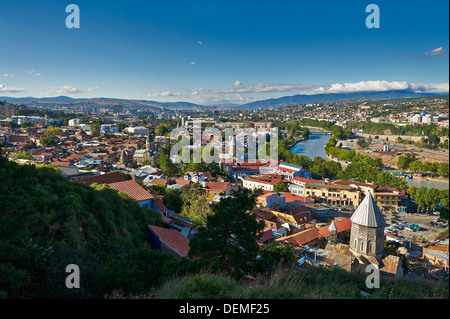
x,y
367,232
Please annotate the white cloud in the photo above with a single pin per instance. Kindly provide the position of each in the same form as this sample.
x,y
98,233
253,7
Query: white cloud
x,y
366,86
70,90
8,75
33,72
437,51
6,89
192,62
163,94
308,89
239,93
430,88
200,42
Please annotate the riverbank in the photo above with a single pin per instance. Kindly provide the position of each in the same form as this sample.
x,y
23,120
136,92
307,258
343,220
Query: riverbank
x,y
297,140
344,164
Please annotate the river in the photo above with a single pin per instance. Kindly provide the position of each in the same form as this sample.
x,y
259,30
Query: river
x,y
313,147
417,183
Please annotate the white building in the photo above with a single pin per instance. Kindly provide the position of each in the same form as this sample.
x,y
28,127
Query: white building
x,y
138,130
74,122
109,128
195,177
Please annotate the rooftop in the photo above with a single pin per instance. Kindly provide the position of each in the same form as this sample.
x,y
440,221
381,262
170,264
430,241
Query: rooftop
x,y
132,189
172,238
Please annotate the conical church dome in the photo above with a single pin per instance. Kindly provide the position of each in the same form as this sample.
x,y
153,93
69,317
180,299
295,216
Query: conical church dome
x,y
368,213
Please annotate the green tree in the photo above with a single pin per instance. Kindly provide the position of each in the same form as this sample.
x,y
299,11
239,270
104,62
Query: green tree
x,y
403,162
362,143
53,131
167,166
443,169
46,141
274,255
411,191
195,204
161,129
95,129
229,238
281,187
416,166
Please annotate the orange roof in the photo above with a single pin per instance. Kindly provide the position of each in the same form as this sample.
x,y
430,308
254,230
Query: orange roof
x,y
132,189
341,225
296,198
158,202
102,179
306,237
181,181
216,185
173,239
157,181
302,218
263,213
266,236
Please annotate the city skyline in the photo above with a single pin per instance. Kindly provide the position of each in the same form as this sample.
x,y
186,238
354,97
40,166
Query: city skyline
x,y
221,52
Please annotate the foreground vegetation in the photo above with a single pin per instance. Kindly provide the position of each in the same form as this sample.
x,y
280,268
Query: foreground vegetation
x,y
47,223
291,283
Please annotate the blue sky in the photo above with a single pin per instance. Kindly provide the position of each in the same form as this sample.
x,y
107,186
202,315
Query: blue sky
x,y
221,51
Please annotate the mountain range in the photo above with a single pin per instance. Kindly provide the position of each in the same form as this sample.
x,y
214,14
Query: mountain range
x,y
155,106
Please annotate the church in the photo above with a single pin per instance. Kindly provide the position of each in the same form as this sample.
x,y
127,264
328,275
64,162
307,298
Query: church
x,y
366,243
148,154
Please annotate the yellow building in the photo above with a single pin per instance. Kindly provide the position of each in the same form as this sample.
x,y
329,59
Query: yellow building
x,y
334,194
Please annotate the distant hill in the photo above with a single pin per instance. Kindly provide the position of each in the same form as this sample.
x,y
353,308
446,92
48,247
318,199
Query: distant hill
x,y
157,107
102,102
317,98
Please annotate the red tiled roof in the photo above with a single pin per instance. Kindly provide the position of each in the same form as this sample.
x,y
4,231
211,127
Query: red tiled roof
x,y
216,185
173,239
157,181
158,202
298,209
181,181
266,236
263,213
302,218
132,189
302,238
341,225
295,198
102,179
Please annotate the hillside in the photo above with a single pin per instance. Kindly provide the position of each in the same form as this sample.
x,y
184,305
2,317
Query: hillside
x,y
47,223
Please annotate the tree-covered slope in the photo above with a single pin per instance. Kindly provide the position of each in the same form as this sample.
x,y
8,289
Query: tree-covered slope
x,y
47,223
